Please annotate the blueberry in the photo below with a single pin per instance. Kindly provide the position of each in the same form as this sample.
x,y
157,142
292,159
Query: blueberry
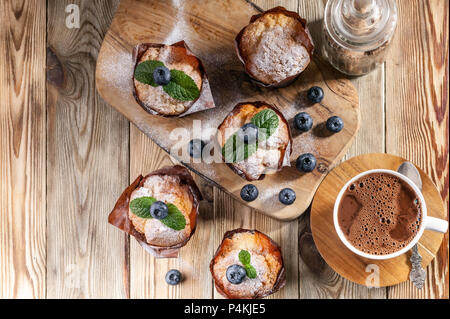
x,y
315,94
335,124
248,133
195,148
159,210
161,75
173,277
287,196
303,121
306,163
236,274
249,193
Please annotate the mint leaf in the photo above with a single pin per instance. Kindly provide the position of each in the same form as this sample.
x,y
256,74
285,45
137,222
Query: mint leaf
x,y
181,86
175,219
244,257
235,150
144,71
267,121
141,206
251,271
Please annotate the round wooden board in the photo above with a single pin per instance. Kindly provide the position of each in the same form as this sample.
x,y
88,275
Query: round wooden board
x,y
339,257
209,28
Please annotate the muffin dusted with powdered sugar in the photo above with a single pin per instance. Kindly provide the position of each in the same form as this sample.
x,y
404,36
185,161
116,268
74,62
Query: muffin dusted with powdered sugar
x,y
169,80
275,47
247,265
169,190
255,139
160,210
172,57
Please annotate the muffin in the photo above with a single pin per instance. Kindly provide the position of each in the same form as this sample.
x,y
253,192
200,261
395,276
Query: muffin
x,y
247,265
160,210
169,94
275,47
252,159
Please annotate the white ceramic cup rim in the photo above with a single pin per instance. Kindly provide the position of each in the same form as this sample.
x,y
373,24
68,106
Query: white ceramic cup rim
x,y
404,249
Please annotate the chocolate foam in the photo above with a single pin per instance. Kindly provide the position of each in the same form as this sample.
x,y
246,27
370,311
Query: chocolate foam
x,y
379,214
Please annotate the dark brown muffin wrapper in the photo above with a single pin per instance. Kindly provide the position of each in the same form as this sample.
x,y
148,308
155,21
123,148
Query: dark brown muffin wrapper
x,y
281,277
306,41
284,159
119,215
205,101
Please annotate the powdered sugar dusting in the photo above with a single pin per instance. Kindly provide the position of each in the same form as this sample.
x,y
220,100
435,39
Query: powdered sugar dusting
x,y
159,234
176,34
272,66
269,196
165,187
118,72
248,287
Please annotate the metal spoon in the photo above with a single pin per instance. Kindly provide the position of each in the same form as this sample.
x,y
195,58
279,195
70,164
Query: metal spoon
x,y
417,274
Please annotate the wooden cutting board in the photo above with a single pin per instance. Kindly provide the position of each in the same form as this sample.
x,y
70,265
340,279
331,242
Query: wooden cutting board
x,y
209,29
340,258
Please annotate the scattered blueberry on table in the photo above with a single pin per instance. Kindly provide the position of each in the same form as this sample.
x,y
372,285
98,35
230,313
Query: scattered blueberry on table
x,y
236,274
173,277
249,192
161,75
303,121
159,210
195,148
315,94
287,196
335,124
306,163
248,133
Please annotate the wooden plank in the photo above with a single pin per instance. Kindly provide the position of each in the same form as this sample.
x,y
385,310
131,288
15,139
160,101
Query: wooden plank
x,y
22,145
87,162
230,214
317,279
147,274
417,113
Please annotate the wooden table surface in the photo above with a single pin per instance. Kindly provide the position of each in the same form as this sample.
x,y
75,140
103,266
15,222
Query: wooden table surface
x,y
66,156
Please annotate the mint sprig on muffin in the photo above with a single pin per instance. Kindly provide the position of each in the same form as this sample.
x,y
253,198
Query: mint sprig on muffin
x,y
243,143
148,207
244,258
175,83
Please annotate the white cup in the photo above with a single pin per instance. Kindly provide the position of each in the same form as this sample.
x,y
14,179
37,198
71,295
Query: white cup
x,y
428,222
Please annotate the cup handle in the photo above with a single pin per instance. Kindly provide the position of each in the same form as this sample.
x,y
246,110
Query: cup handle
x,y
436,224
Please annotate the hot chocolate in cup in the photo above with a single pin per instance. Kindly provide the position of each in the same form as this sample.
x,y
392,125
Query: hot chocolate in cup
x,y
381,214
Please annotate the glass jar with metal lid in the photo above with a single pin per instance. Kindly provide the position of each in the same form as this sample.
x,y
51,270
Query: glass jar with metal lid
x,y
357,33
